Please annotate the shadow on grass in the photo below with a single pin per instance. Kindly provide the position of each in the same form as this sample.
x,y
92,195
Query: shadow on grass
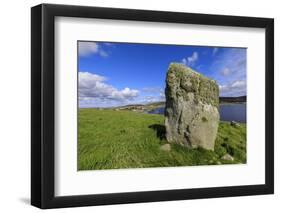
x,y
160,130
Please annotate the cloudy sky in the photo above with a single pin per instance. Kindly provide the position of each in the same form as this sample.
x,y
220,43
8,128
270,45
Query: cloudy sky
x,y
114,74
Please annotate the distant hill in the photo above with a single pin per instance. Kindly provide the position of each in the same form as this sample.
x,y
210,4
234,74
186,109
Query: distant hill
x,y
233,99
141,107
132,105
154,105
239,99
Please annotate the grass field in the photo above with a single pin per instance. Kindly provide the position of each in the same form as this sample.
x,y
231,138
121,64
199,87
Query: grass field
x,y
109,139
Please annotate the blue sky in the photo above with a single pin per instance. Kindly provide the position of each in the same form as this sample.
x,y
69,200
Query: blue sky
x,y
114,74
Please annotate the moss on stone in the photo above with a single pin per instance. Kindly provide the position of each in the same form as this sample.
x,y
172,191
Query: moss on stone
x,y
204,119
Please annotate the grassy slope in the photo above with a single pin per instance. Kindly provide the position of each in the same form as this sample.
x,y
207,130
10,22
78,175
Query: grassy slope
x,y
111,139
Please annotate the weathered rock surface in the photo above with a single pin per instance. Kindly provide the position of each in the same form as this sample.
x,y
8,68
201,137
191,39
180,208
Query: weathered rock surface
x,y
166,147
191,112
227,157
234,124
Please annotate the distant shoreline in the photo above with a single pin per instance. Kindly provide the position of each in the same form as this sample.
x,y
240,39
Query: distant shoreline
x,y
153,105
239,99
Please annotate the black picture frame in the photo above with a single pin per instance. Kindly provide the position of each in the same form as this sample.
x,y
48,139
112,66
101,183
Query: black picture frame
x,y
43,101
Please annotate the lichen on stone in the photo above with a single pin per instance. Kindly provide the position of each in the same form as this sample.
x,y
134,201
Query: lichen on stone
x,y
186,80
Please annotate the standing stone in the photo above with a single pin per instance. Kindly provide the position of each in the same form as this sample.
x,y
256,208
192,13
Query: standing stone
x,y
191,112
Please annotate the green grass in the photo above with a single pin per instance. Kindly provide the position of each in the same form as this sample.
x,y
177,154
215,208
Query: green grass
x,y
109,139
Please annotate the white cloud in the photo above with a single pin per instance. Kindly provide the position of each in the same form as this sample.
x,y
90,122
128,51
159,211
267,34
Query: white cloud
x,y
89,80
193,58
152,89
103,53
215,50
229,67
225,71
93,89
231,62
236,88
149,95
151,99
109,44
162,95
86,48
238,84
190,61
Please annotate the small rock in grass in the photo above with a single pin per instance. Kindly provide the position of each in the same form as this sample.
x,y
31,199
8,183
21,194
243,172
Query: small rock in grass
x,y
234,124
166,147
227,157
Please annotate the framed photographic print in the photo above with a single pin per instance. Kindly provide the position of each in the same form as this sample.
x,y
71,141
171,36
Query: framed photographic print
x,y
139,106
